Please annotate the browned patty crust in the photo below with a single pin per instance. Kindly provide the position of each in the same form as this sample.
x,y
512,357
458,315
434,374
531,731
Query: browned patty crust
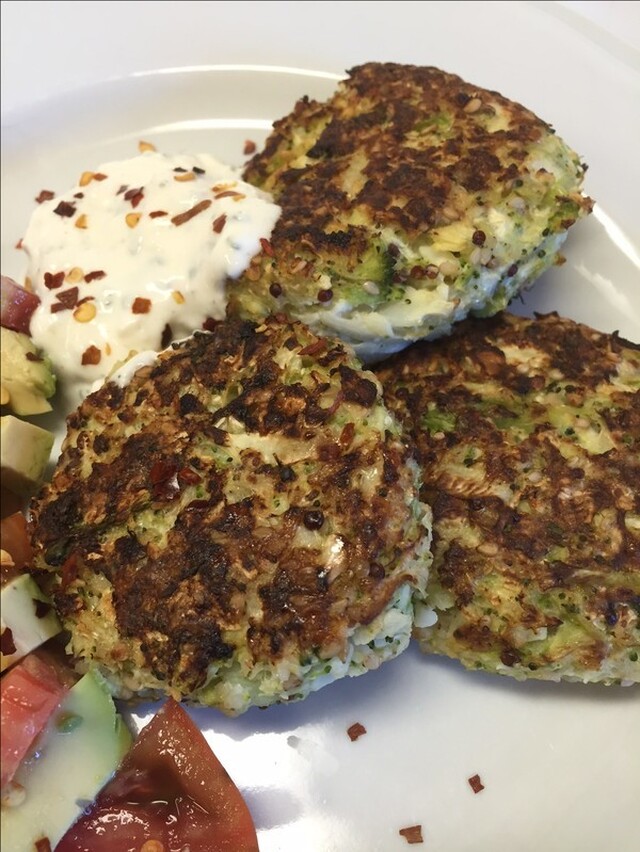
x,y
528,431
377,114
245,500
410,198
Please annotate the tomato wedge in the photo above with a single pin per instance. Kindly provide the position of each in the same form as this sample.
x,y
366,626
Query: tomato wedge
x,y
170,793
16,305
15,540
29,694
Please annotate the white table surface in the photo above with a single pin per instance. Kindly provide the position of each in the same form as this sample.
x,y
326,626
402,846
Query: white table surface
x,y
49,47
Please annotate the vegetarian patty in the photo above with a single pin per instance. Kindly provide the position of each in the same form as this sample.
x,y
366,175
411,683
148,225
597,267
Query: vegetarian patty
x,y
238,525
529,434
410,199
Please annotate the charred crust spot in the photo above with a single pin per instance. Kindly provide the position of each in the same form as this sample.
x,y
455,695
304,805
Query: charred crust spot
x,y
113,396
100,444
188,404
128,549
55,516
357,389
237,519
476,170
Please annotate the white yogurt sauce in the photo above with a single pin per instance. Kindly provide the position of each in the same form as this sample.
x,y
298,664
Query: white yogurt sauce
x,y
136,255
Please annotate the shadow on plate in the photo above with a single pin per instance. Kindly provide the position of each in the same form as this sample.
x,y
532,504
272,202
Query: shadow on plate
x,y
561,691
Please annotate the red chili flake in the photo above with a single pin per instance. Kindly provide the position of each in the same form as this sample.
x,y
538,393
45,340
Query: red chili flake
x,y
42,608
19,243
95,275
43,845
157,213
31,356
198,504
325,295
266,247
347,435
478,238
314,348
45,195
67,299
475,783
249,147
7,645
356,730
166,336
181,218
186,476
219,223
91,355
164,480
78,195
135,196
227,193
140,305
412,834
99,176
161,471
66,209
122,189
69,571
53,280
275,289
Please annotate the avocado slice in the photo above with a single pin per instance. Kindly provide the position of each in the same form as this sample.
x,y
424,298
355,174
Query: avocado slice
x,y
77,753
29,618
27,377
24,450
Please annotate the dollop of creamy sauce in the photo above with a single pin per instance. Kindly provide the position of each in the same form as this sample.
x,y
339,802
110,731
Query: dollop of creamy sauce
x,y
137,255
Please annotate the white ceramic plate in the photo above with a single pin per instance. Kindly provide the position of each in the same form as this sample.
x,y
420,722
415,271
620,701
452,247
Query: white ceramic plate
x,y
559,762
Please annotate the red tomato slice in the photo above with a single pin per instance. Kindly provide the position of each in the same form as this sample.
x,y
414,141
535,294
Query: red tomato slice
x,y
29,693
10,502
16,305
171,789
15,540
